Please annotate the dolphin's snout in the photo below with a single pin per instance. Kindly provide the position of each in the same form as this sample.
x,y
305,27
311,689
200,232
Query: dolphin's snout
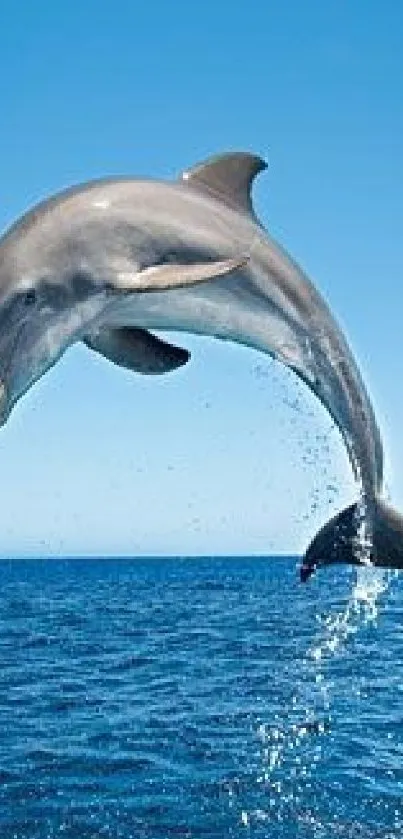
x,y
4,404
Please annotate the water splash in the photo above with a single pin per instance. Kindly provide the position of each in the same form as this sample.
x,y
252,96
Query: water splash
x,y
360,611
294,744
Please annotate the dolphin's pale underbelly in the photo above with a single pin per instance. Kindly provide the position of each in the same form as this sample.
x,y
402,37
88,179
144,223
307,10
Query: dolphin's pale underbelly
x,y
233,308
229,309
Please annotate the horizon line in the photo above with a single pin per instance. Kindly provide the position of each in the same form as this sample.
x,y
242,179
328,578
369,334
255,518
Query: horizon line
x,y
50,557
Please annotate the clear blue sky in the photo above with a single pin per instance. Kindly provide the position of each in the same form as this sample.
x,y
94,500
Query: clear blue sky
x,y
214,458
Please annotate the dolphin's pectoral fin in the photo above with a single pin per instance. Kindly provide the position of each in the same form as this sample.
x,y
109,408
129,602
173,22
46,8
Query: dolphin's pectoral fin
x,y
137,350
229,177
171,275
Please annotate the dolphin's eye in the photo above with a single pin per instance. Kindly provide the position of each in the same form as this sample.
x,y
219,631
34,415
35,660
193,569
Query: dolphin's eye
x,y
29,297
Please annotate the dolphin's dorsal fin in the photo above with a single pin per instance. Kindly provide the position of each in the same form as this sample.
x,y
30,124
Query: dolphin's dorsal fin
x,y
228,177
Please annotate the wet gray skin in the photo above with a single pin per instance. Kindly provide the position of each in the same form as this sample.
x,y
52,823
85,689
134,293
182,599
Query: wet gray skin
x,y
107,261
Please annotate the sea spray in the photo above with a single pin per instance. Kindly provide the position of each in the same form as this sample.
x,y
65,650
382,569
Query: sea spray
x,y
294,744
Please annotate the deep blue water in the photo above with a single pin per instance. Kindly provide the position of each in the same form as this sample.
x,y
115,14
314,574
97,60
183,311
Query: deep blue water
x,y
197,698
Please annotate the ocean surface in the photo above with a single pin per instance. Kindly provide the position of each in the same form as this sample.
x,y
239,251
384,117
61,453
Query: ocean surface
x,y
199,698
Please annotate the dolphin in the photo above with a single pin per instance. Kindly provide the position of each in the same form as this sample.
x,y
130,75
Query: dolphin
x,y
109,260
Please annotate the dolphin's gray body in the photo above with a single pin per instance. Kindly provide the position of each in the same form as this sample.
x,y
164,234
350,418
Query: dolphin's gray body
x,y
109,260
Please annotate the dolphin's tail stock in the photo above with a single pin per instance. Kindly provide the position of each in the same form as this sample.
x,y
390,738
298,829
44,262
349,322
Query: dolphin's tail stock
x,y
339,540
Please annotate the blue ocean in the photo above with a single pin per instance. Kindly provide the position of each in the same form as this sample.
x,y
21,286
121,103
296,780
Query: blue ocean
x,y
199,698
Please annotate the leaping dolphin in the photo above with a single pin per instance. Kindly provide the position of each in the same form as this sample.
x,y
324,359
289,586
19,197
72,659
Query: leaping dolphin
x,y
106,261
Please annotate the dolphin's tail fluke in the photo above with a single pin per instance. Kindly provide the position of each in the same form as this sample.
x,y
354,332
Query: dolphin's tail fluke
x,y
339,540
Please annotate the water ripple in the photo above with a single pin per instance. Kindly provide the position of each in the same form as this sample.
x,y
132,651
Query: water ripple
x,y
198,698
